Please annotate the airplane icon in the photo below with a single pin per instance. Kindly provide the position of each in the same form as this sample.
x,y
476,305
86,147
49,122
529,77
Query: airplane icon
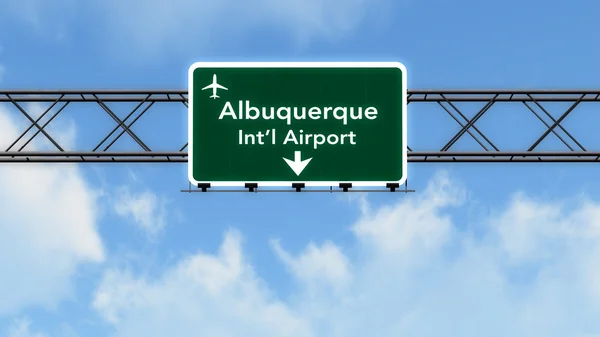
x,y
214,86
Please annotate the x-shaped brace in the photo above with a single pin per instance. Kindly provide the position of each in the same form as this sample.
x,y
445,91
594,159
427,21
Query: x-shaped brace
x,y
43,126
470,123
128,126
35,123
466,120
121,123
556,123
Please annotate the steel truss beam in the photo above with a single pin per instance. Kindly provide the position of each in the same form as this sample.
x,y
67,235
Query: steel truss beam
x,y
446,100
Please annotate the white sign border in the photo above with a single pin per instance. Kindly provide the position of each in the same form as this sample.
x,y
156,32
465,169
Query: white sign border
x,y
403,92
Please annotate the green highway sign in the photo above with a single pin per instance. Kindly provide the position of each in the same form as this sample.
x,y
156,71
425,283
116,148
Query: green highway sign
x,y
278,123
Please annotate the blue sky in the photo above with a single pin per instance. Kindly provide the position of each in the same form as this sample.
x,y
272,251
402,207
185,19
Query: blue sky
x,y
117,250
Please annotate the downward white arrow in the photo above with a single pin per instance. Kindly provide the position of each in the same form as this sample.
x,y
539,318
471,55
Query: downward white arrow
x,y
298,165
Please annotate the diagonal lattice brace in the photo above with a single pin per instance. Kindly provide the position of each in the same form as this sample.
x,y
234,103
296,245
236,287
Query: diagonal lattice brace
x,y
556,123
34,123
124,120
121,123
129,125
37,120
467,120
43,126
548,126
553,120
470,124
462,126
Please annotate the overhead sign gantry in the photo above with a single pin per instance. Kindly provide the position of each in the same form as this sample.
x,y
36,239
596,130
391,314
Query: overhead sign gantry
x,y
447,118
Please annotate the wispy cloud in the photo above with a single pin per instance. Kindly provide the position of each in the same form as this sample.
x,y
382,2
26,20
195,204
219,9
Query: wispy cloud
x,y
415,271
146,210
21,328
151,25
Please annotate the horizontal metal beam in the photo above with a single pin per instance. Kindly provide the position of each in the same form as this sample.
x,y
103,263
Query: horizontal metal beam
x,y
357,190
413,157
92,154
184,91
415,95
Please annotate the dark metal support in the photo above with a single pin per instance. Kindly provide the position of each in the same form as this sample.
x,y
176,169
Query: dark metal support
x,y
129,126
203,186
449,100
117,127
251,187
34,123
43,126
121,123
469,124
466,120
298,186
556,123
345,186
291,190
548,126
392,186
463,126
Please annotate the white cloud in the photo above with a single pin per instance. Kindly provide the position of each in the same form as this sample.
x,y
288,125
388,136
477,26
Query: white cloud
x,y
159,21
155,24
381,230
21,328
147,211
318,267
40,15
204,294
416,271
47,228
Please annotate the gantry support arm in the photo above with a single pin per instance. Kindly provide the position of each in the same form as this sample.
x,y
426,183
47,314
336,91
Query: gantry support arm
x,y
49,104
